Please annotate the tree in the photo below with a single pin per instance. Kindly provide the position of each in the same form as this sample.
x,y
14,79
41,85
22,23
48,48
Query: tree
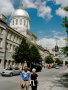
x,y
65,24
49,59
35,55
21,52
58,61
65,50
66,8
26,52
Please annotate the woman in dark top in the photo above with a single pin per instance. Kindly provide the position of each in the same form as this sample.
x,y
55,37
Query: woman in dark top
x,y
34,81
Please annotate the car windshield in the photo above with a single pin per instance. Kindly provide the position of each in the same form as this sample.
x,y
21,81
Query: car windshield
x,y
9,68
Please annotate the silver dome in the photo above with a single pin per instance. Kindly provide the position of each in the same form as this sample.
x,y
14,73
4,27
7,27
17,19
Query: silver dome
x,y
20,12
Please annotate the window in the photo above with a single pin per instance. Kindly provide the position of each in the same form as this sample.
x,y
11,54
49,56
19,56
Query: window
x,y
10,47
16,21
7,46
1,31
14,38
20,21
24,22
10,36
27,24
0,42
13,22
16,68
14,47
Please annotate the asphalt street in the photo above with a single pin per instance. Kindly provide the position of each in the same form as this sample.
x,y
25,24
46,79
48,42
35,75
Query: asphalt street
x,y
47,78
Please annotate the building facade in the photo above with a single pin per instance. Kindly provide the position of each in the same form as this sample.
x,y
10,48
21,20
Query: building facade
x,y
11,36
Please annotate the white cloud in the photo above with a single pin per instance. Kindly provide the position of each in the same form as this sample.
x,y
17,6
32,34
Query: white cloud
x,y
61,12
42,9
28,4
51,42
6,7
62,2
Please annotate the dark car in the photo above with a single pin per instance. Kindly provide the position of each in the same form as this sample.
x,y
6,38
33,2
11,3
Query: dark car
x,y
37,67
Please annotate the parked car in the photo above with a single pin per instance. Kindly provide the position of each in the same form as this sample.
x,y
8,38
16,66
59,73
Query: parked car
x,y
57,67
11,71
37,67
54,65
49,67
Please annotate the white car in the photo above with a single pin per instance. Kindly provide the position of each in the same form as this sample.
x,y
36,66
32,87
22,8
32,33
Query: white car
x,y
11,71
57,67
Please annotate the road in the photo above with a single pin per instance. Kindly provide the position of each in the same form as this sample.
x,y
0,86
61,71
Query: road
x,y
46,80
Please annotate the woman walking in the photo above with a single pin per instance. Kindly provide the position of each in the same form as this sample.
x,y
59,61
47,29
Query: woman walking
x,y
34,80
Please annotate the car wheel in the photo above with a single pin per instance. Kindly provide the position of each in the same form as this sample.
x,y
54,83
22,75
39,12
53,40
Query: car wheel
x,y
11,74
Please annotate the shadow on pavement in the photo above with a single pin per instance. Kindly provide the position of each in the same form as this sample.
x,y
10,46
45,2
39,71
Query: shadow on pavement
x,y
62,81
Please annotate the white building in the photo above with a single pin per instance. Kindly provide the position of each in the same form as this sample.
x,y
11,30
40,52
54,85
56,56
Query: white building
x,y
11,36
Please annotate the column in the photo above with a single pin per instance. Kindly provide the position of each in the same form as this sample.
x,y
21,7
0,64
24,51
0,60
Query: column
x,y
2,64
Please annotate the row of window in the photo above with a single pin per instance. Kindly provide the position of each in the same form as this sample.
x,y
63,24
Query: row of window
x,y
20,22
13,38
10,47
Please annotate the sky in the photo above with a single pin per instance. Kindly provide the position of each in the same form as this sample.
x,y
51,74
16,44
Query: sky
x,y
46,19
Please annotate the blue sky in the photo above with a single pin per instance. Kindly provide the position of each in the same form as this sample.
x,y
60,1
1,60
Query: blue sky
x,y
46,18
44,26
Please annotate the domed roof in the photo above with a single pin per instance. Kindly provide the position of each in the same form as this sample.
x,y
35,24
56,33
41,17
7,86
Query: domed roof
x,y
20,12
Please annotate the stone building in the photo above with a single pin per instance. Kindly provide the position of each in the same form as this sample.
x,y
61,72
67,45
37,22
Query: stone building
x,y
11,36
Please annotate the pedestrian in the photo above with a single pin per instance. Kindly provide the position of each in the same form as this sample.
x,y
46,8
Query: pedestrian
x,y
34,80
25,79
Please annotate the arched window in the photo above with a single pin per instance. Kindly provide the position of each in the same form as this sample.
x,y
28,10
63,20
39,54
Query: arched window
x,y
16,21
13,22
24,22
20,21
27,23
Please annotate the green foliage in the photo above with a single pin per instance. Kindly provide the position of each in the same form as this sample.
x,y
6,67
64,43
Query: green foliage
x,y
65,24
65,50
49,59
66,62
26,52
58,61
66,8
21,52
35,55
